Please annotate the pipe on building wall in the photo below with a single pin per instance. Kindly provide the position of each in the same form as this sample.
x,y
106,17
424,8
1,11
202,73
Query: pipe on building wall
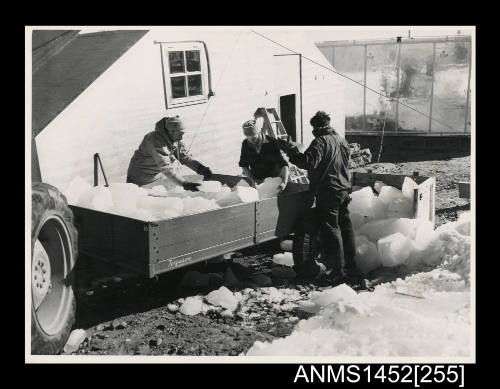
x,y
398,62
301,114
364,92
163,77
432,85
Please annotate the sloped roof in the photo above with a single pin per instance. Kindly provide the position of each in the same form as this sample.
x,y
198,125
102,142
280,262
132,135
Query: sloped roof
x,y
62,77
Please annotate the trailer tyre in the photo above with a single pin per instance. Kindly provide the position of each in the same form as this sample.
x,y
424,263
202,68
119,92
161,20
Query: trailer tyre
x,y
53,256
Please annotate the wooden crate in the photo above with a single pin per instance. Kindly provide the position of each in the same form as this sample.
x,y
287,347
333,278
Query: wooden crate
x,y
423,198
151,248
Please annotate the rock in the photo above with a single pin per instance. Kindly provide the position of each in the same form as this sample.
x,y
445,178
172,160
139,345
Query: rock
x,y
262,280
194,279
75,339
172,307
226,313
216,260
280,281
286,245
228,255
153,343
142,350
205,308
248,285
283,272
89,292
239,296
230,279
215,280
118,325
222,297
241,271
100,327
123,349
191,306
240,317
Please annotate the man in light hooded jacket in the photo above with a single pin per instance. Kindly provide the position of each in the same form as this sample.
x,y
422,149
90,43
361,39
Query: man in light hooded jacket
x,y
153,161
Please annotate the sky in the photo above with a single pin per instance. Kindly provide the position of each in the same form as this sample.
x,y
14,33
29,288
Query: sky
x,y
335,33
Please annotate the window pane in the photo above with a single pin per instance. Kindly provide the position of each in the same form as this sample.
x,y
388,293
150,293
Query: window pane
x,y
450,86
381,75
176,61
178,87
193,60
194,85
350,62
415,85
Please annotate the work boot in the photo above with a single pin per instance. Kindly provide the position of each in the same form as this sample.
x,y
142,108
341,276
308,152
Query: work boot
x,y
331,279
358,282
307,271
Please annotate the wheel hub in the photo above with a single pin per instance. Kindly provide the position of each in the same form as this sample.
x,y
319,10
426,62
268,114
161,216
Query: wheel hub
x,y
40,274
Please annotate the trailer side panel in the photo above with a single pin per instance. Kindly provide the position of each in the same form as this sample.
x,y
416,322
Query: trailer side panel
x,y
188,239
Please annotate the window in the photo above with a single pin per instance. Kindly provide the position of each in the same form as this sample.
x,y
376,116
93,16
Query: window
x,y
185,74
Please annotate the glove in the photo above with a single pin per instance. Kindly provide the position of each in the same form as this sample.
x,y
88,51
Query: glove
x,y
284,144
291,151
192,186
205,172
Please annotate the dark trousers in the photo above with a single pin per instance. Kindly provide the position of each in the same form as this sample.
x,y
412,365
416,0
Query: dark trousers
x,y
337,235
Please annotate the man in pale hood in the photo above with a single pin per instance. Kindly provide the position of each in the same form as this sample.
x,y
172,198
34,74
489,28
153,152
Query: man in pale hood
x,y
153,161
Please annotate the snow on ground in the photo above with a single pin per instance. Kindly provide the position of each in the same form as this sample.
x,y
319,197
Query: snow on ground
x,y
425,314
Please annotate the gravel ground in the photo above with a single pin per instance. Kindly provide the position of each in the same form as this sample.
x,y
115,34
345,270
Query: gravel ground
x,y
136,316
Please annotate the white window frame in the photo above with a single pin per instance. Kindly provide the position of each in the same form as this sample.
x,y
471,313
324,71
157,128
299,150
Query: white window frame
x,y
181,101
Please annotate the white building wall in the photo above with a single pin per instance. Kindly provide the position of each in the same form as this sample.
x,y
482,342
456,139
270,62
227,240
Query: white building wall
x,y
115,112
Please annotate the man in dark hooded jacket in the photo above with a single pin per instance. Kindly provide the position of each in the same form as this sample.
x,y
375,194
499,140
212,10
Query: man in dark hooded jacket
x,y
327,161
154,159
